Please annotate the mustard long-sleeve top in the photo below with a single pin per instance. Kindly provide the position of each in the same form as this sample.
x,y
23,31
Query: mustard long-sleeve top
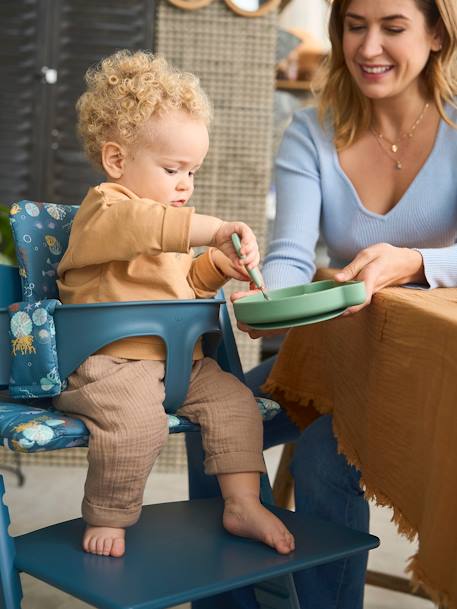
x,y
123,248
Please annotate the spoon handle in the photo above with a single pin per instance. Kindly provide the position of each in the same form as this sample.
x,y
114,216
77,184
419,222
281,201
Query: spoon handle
x,y
254,273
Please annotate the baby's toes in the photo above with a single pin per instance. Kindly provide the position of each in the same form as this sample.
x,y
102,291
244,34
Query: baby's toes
x,y
283,546
100,545
290,540
92,545
107,545
118,547
284,542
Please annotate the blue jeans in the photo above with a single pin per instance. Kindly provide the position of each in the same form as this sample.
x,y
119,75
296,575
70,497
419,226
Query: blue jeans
x,y
325,486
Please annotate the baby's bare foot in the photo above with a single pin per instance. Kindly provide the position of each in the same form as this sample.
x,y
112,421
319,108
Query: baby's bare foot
x,y
104,541
245,516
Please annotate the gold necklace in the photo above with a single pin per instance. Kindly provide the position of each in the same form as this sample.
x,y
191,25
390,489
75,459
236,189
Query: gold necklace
x,y
394,146
398,164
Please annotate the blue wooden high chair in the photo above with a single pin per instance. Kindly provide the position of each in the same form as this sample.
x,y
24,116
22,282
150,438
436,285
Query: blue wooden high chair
x,y
177,552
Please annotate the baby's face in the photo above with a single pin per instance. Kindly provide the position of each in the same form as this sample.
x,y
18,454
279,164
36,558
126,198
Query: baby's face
x,y
163,163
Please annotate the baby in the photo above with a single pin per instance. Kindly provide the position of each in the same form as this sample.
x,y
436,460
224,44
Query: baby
x,y
146,126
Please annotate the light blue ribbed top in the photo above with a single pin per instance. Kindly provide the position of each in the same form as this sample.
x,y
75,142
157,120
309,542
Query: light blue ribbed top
x,y
315,196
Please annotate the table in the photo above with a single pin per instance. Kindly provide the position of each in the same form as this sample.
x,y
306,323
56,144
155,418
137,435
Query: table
x,y
389,376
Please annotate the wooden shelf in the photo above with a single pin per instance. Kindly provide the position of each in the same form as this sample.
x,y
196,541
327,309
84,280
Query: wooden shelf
x,y
293,85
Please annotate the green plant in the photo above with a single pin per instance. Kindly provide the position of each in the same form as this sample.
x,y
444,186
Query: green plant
x,y
7,250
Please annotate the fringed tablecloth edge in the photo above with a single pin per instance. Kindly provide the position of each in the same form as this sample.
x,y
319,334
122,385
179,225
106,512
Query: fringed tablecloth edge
x,y
278,390
372,493
419,579
402,523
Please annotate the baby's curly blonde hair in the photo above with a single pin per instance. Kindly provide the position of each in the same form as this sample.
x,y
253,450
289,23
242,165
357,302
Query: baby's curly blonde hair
x,y
125,90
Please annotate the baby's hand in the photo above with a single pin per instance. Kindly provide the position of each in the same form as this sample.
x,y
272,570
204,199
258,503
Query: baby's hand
x,y
249,248
226,266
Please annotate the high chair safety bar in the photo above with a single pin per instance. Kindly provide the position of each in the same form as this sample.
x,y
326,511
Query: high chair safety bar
x,y
83,329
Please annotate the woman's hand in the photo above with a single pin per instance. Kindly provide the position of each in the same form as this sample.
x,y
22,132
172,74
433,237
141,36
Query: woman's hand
x,y
382,265
243,327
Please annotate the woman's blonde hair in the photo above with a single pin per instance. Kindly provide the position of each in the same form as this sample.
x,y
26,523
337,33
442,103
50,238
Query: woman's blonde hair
x,y
340,100
125,90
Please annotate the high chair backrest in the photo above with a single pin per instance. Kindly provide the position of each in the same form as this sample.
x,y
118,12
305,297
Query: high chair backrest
x,y
41,232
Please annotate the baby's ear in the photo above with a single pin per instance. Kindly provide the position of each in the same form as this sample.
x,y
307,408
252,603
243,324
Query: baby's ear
x,y
113,158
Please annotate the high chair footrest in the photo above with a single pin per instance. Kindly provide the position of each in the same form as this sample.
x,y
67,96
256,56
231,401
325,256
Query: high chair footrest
x,y
191,531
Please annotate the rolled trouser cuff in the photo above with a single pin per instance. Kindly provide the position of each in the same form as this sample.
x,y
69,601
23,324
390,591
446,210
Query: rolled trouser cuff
x,y
235,463
99,516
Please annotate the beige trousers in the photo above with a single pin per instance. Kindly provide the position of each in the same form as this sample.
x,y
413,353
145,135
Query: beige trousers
x,y
120,401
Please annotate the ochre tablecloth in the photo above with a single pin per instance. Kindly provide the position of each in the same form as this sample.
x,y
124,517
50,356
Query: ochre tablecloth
x,y
389,375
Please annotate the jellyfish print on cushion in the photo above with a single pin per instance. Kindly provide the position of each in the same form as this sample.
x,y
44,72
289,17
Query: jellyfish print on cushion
x,y
21,328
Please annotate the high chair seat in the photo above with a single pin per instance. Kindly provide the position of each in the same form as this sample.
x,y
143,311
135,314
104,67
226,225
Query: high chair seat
x,y
30,429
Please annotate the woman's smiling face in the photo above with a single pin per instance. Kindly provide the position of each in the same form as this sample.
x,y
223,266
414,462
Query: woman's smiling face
x,y
386,45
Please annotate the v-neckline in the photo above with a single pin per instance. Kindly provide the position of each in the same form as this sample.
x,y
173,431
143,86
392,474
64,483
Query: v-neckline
x,y
407,191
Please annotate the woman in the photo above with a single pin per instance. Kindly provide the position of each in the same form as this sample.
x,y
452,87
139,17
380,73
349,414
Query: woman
x,y
373,170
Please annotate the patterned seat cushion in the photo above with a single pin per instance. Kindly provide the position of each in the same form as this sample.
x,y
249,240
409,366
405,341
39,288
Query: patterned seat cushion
x,y
41,232
32,429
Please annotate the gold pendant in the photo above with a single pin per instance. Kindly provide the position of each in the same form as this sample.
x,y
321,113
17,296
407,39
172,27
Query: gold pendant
x,y
398,165
394,148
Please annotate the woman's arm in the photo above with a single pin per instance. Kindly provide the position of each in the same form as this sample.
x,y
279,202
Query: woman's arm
x,y
290,259
440,266
291,253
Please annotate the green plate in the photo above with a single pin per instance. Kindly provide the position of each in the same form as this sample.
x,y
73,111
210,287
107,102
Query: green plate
x,y
299,302
314,319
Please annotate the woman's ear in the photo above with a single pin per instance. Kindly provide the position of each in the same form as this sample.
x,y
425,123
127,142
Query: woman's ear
x,y
437,38
113,159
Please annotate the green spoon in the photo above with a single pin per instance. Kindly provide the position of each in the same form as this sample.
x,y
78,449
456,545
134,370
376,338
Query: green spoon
x,y
254,273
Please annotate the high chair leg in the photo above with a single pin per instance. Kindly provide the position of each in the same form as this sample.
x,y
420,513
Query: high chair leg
x,y
266,494
278,593
10,584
